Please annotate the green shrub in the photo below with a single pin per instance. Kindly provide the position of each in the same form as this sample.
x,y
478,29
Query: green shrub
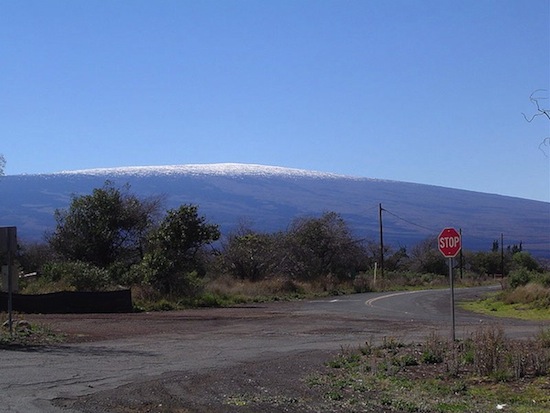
x,y
43,285
523,259
79,275
543,338
162,305
429,356
542,279
391,343
209,300
345,360
520,277
55,271
434,349
406,361
90,278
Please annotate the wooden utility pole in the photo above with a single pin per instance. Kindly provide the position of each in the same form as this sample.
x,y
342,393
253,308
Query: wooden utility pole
x,y
502,254
461,256
380,209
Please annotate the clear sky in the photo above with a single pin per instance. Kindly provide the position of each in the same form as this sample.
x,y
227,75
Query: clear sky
x,y
410,90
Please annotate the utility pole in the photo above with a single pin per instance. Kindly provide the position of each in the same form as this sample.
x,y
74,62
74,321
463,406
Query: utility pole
x,y
461,256
380,209
502,254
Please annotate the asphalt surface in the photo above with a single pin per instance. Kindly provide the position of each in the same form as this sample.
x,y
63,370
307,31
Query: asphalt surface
x,y
198,340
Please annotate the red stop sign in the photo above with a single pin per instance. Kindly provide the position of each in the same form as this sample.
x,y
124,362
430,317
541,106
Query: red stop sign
x,y
449,242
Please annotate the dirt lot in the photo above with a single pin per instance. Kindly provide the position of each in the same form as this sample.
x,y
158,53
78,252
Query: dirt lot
x,y
269,383
265,353
264,385
273,385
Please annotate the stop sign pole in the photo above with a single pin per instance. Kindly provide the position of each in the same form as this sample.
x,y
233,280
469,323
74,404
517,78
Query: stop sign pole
x,y
449,243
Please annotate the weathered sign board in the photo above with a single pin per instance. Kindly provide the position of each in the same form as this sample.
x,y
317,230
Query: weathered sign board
x,y
8,248
8,240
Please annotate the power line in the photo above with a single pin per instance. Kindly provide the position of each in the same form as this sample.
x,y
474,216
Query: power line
x,y
409,222
370,208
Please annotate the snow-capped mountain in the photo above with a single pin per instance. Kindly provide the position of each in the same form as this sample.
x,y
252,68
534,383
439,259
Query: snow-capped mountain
x,y
218,169
268,198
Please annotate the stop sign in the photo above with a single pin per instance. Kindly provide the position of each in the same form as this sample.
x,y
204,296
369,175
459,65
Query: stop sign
x,y
449,242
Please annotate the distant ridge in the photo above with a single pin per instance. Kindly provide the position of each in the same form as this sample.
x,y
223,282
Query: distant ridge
x,y
268,198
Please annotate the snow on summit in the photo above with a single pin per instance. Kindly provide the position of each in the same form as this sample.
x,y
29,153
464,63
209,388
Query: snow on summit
x,y
220,169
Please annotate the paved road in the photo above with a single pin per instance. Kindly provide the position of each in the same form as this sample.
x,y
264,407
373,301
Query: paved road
x,y
198,340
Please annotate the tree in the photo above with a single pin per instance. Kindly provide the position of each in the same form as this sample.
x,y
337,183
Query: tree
x,y
33,257
105,228
176,255
250,255
398,260
522,259
540,111
323,246
487,263
426,258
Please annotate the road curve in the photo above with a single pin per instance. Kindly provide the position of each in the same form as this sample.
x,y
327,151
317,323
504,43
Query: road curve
x,y
143,346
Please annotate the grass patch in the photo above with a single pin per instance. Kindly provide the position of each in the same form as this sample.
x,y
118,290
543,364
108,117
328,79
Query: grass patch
x,y
226,291
494,305
477,374
526,302
25,334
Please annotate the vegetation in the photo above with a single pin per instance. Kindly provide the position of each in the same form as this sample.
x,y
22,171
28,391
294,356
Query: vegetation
x,y
536,99
107,228
525,295
26,334
112,239
175,260
479,373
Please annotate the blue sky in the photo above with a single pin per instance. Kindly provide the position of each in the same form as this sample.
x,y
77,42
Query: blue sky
x,y
410,90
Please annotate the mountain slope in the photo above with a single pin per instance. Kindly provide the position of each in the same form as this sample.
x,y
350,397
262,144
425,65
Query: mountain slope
x,y
268,198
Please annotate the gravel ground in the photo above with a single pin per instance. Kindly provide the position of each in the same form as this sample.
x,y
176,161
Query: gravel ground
x,y
271,385
273,380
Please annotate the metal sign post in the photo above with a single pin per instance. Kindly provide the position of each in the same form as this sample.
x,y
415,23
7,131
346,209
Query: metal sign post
x,y
449,243
452,285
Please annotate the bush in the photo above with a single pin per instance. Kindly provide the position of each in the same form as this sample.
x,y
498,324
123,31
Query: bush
x,y
523,259
534,294
162,305
542,279
489,351
81,276
520,277
543,338
90,278
362,283
434,349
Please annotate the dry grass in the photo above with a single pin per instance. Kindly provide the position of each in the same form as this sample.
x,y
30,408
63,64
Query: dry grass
x,y
532,294
441,376
226,291
269,289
